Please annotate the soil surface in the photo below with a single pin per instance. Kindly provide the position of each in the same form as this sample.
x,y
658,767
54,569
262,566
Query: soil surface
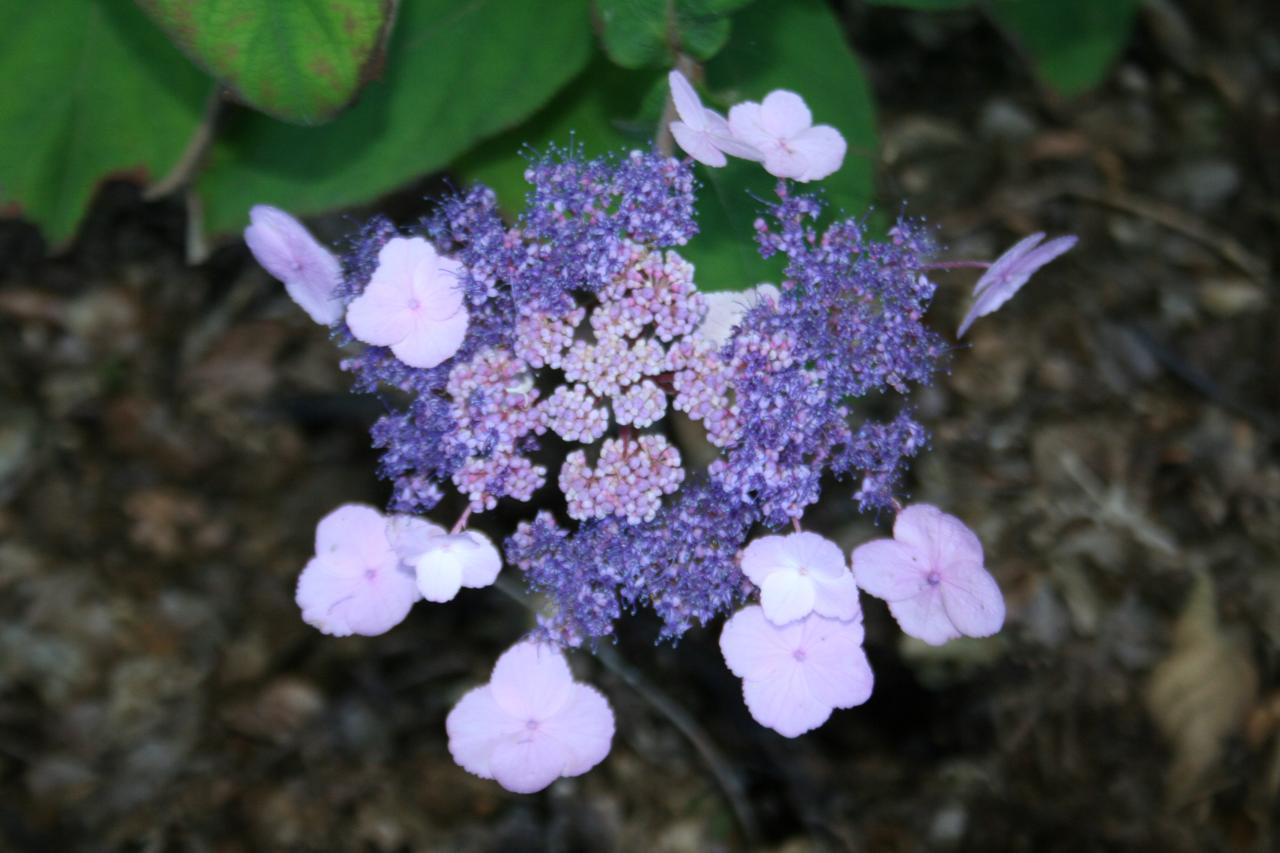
x,y
170,434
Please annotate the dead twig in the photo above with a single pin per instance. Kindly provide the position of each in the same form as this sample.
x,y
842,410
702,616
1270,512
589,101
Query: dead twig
x,y
1167,216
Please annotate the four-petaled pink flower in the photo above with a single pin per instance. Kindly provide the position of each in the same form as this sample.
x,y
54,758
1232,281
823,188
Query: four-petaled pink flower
x,y
703,133
781,128
799,574
413,304
1009,272
453,561
356,583
531,724
932,577
286,249
794,675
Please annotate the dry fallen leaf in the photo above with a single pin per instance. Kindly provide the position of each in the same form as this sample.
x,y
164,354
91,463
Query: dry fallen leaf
x,y
1200,693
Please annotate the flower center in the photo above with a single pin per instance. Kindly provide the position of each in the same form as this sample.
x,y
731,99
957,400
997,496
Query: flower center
x,y
804,571
799,655
531,725
370,574
933,578
414,304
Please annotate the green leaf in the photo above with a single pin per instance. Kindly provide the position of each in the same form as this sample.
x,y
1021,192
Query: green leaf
x,y
927,5
456,74
643,33
297,60
1072,43
92,90
781,44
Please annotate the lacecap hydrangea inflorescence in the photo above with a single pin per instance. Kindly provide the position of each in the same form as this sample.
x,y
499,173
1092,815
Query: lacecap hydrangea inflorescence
x,y
546,360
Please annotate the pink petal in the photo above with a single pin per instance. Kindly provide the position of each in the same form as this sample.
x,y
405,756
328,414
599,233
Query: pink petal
x,y
482,562
999,287
1000,266
765,555
786,596
475,725
286,249
835,667
584,727
973,601
806,551
745,123
721,134
410,536
437,284
819,556
784,114
784,703
358,532
532,681
527,763
431,343
924,617
837,598
688,104
697,144
338,601
940,538
379,316
783,163
455,560
753,647
823,149
890,570
439,576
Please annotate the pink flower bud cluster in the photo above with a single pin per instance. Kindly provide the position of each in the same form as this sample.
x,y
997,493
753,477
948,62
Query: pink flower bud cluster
x,y
542,337
494,405
575,415
629,479
701,381
654,289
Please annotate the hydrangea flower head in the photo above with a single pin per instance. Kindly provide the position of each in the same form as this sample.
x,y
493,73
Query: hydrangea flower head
x,y
531,724
356,583
286,249
452,561
795,675
781,128
932,577
799,574
703,133
412,304
1009,272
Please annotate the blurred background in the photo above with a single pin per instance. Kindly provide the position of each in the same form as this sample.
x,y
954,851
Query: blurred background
x,y
171,426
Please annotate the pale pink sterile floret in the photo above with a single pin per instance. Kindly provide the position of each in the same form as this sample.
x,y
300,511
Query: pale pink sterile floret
x,y
453,561
356,583
1009,272
799,574
932,577
703,133
286,249
781,128
410,536
795,675
413,304
531,724
726,308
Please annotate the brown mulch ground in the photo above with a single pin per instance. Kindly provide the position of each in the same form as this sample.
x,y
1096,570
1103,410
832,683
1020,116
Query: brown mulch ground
x,y
169,435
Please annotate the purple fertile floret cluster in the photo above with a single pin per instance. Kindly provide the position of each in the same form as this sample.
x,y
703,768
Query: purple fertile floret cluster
x,y
586,328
